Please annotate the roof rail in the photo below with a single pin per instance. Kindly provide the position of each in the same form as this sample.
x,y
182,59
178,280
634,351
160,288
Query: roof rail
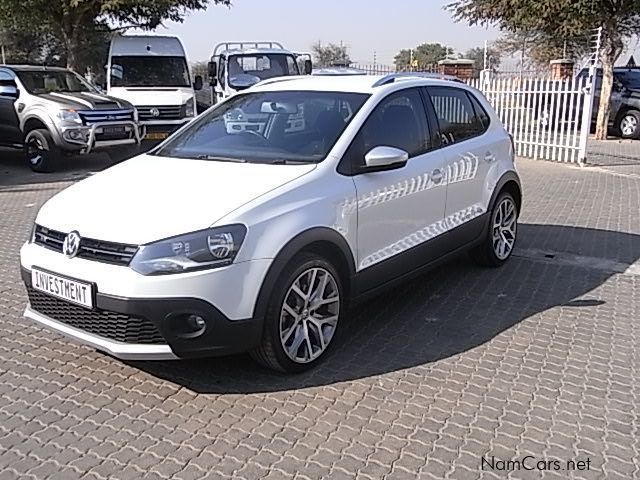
x,y
392,77
242,45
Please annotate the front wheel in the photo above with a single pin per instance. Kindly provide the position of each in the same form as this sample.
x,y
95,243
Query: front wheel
x,y
41,151
500,240
303,316
629,124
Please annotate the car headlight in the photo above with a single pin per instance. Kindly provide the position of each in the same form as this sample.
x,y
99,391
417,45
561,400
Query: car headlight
x,y
189,111
70,116
211,248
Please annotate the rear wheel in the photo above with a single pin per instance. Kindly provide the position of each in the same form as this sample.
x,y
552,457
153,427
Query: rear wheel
x,y
303,316
629,124
500,241
41,151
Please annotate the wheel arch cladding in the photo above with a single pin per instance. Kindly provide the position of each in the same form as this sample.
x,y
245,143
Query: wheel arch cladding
x,y
322,241
34,123
508,182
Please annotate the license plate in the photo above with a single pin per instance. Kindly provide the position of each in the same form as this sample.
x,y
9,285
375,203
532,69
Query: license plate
x,y
156,136
112,130
73,291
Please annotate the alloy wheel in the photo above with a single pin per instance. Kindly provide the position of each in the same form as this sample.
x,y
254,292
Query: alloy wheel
x,y
35,150
504,228
309,315
628,125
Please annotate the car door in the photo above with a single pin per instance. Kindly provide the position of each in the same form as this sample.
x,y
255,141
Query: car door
x,y
402,209
10,134
469,154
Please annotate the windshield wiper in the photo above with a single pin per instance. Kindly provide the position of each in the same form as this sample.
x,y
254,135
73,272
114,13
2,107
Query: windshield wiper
x,y
220,159
282,161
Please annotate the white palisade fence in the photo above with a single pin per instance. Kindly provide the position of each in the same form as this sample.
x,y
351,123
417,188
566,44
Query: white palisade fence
x,y
544,116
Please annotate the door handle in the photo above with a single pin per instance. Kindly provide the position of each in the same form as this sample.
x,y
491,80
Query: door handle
x,y
489,157
436,176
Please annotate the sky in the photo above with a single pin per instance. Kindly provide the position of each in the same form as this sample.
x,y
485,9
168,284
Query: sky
x,y
364,26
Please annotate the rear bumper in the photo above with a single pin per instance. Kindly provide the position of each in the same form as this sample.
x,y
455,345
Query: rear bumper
x,y
220,336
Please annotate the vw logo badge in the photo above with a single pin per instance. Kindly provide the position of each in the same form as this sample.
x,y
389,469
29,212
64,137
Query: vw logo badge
x,y
154,112
71,244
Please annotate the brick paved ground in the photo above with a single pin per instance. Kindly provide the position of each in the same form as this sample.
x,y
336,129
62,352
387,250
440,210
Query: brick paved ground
x,y
538,358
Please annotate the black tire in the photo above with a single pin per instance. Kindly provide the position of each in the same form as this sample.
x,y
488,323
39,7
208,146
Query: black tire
x,y
628,124
41,151
485,254
271,352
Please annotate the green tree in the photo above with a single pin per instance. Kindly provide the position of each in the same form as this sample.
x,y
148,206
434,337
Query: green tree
x,y
423,56
494,58
80,24
330,54
538,49
561,19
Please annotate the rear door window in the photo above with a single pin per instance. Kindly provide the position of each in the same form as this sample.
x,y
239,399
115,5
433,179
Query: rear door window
x,y
456,116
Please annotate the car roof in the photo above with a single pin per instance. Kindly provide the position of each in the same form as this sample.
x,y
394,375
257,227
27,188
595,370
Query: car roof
x,y
34,68
352,83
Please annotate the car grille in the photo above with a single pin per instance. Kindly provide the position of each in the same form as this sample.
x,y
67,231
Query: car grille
x,y
100,251
173,112
89,117
106,324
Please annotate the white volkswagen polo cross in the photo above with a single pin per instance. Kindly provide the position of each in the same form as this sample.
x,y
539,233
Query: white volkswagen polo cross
x,y
255,226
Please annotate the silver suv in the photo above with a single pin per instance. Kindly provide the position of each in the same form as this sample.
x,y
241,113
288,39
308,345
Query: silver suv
x,y
59,112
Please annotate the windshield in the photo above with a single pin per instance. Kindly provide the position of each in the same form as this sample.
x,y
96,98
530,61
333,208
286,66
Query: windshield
x,y
630,79
247,70
149,72
268,127
39,82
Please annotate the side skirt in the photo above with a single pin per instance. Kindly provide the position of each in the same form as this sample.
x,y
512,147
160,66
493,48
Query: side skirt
x,y
418,260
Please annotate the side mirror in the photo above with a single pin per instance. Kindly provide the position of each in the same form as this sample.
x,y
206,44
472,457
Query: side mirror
x,y
9,91
197,84
213,69
385,158
308,67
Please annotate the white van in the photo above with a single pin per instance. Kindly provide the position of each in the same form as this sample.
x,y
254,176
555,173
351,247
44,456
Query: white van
x,y
152,73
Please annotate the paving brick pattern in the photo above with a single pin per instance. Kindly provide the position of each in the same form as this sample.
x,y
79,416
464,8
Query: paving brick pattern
x,y
536,360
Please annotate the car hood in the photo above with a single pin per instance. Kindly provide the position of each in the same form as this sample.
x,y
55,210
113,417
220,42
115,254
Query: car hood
x,y
85,100
150,198
143,96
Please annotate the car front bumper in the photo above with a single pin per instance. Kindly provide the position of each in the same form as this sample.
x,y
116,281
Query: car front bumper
x,y
224,300
91,141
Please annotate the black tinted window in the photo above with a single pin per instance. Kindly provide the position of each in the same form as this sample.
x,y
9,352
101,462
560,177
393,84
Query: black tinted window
x,y
456,117
398,121
481,113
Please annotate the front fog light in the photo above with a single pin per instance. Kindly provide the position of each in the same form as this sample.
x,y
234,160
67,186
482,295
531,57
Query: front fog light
x,y
187,325
76,135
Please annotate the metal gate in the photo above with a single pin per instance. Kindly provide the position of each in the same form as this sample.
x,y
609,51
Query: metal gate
x,y
548,119
544,116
